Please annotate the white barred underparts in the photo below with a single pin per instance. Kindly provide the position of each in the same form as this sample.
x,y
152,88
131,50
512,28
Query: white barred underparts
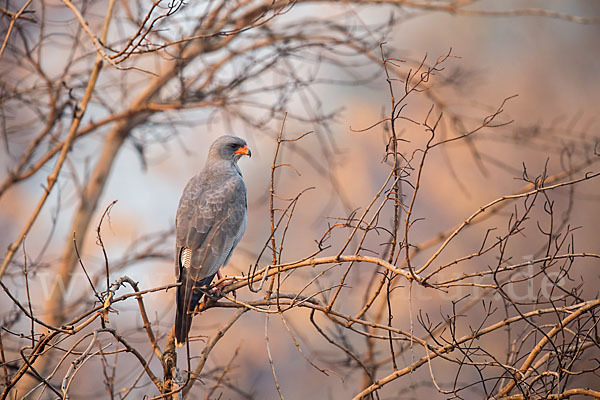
x,y
186,257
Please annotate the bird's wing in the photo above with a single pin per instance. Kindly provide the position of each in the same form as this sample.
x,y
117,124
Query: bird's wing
x,y
211,219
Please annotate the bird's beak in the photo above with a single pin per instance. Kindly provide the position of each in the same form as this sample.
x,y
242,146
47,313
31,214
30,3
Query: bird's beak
x,y
244,151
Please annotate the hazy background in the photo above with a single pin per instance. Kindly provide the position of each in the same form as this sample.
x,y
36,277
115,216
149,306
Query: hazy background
x,y
553,66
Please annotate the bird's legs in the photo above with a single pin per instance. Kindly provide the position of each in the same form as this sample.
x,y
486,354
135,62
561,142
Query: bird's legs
x,y
220,285
214,293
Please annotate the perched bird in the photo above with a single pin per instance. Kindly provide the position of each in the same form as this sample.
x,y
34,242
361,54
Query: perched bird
x,y
211,219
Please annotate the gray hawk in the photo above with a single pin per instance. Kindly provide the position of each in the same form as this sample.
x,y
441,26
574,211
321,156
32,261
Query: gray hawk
x,y
211,219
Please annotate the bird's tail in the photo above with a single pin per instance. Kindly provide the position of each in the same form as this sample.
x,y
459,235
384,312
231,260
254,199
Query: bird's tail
x,y
188,297
183,323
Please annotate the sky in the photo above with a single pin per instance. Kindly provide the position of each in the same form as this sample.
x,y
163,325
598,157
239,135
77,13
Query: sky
x,y
552,65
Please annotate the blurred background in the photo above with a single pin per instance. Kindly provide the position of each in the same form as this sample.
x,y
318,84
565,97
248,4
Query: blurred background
x,y
551,63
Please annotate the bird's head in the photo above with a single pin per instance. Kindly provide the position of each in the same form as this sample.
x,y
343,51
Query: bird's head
x,y
229,148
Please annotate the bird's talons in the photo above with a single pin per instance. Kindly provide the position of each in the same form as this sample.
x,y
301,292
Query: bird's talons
x,y
217,290
221,283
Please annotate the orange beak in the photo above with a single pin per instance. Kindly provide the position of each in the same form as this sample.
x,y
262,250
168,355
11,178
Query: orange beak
x,y
244,151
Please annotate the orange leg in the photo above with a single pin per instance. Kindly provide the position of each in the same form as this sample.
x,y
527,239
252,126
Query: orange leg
x,y
220,286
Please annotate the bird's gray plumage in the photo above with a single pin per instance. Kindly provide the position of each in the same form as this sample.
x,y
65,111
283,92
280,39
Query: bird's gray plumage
x,y
211,219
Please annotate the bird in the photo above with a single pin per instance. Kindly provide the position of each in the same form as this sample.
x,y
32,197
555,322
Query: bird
x,y
210,222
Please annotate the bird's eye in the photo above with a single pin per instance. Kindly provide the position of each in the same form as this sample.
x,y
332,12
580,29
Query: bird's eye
x,y
233,146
